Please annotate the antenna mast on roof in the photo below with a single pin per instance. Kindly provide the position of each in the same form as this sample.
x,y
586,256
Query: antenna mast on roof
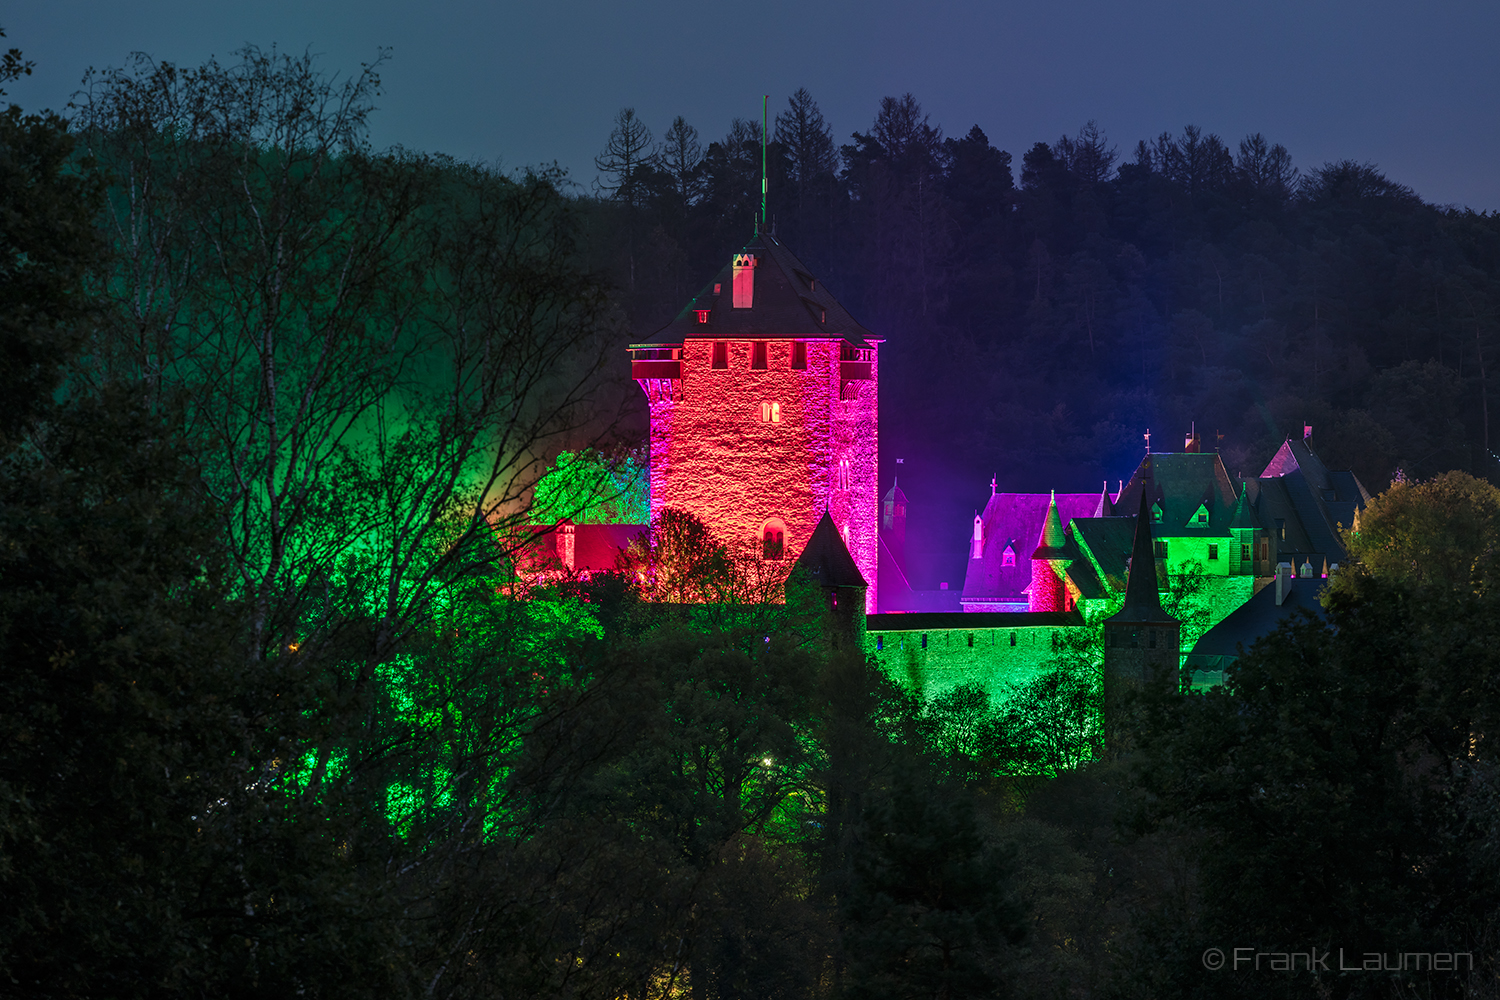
x,y
765,102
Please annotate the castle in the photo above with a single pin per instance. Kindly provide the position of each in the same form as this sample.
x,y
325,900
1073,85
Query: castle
x,y
764,406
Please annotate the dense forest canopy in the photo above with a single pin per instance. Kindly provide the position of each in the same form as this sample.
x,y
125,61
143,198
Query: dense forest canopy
x,y
278,719
1040,316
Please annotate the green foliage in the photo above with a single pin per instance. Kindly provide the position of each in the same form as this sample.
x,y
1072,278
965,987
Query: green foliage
x,y
589,487
1440,534
1348,752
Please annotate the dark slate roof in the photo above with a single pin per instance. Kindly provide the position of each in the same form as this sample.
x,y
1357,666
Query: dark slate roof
x,y
1181,481
1142,604
789,302
1244,514
1104,542
976,620
1015,520
1256,617
827,560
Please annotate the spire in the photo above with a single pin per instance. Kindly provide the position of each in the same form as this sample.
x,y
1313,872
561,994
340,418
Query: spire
x,y
1243,517
1053,539
826,558
1141,601
1106,506
994,484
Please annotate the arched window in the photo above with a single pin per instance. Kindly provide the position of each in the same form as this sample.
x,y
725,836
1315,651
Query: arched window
x,y
773,539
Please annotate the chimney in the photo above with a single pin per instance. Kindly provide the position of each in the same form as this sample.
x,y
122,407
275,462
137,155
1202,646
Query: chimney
x,y
1283,582
744,280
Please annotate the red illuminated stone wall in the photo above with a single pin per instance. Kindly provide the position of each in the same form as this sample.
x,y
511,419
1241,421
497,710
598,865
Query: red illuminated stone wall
x,y
715,456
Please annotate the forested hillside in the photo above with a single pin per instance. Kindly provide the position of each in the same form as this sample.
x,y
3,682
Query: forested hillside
x,y
1040,315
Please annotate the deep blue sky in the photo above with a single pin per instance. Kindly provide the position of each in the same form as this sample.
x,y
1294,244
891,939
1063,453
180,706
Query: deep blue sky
x,y
1410,87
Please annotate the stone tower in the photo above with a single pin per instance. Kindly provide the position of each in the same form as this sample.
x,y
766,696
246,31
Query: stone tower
x,y
1140,640
765,411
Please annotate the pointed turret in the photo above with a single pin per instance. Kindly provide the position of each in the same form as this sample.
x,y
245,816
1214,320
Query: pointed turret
x,y
1141,641
1142,604
1106,506
1049,565
1243,517
1053,539
826,558
825,578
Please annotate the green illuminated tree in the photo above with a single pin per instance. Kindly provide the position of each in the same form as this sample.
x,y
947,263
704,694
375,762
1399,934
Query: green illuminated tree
x,y
377,350
592,488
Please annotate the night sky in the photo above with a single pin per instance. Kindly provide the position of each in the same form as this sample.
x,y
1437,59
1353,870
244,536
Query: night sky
x,y
1409,87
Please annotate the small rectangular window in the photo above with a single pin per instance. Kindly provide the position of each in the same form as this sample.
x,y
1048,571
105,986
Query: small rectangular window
x,y
1161,549
879,643
971,640
1245,552
799,355
1012,638
1213,552
721,354
924,640
758,355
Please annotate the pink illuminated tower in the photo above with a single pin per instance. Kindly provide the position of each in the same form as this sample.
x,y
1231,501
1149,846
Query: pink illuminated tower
x,y
764,411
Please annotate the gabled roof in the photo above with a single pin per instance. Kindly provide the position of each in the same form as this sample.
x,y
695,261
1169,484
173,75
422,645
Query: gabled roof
x,y
789,302
1294,455
1181,481
827,560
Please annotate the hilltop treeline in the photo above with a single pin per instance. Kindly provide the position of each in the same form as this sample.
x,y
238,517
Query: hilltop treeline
x,y
1042,312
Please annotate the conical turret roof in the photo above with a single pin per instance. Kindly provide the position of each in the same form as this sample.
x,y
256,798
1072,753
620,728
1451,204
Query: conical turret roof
x,y
1243,517
1053,538
1106,505
1141,601
826,559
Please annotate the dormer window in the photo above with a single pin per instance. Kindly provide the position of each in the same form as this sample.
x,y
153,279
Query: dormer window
x,y
1008,557
1201,516
1156,512
702,314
